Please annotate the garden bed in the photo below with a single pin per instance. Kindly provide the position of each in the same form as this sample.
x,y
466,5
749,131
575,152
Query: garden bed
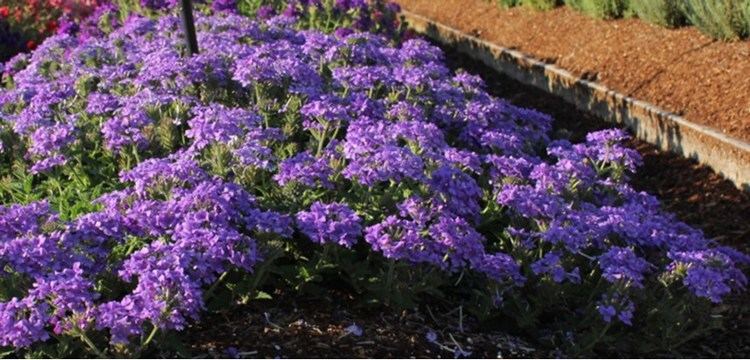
x,y
299,193
298,328
680,70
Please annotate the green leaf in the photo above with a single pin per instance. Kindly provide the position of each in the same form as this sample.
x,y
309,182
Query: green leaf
x,y
262,295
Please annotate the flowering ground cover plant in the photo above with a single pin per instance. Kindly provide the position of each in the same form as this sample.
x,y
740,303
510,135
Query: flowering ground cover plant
x,y
142,187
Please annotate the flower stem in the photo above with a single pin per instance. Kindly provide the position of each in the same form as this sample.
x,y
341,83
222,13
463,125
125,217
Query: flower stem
x,y
150,337
216,284
87,340
389,277
596,340
322,139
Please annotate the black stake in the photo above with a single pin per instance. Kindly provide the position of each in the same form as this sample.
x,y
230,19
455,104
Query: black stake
x,y
187,22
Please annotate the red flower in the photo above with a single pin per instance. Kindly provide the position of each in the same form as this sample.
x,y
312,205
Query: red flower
x,y
51,26
4,11
31,45
409,34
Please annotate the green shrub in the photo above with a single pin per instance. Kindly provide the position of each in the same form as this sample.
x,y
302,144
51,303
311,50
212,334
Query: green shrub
x,y
540,4
534,4
660,12
746,16
508,3
602,9
720,19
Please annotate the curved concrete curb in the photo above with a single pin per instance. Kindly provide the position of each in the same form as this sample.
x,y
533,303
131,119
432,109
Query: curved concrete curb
x,y
728,156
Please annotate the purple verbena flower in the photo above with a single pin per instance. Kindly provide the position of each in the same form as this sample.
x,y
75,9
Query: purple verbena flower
x,y
330,223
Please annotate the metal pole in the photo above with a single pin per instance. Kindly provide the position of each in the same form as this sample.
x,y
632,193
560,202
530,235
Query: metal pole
x,y
189,25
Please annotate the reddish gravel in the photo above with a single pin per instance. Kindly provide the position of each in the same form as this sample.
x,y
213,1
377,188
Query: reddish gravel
x,y
680,70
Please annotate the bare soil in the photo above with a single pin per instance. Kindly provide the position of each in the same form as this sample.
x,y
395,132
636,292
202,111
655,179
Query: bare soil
x,y
680,70
318,328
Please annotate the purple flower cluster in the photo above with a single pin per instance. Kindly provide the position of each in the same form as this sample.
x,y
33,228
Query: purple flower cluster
x,y
423,233
306,170
550,264
216,123
194,228
582,205
611,306
330,223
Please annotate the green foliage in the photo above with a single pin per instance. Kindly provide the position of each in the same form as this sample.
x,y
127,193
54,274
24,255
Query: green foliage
x,y
660,12
540,4
327,18
672,318
508,3
720,19
746,17
601,9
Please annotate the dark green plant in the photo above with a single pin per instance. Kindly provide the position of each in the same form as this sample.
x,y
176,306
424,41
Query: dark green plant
x,y
508,3
660,12
601,9
720,19
540,4
378,16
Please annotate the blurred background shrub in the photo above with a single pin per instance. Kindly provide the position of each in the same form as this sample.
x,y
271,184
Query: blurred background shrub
x,y
540,4
11,41
665,13
602,9
25,23
508,3
720,19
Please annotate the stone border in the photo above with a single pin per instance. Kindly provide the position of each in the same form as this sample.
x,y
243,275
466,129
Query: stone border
x,y
727,156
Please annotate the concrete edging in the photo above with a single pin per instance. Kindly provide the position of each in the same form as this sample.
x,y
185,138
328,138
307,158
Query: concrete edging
x,y
727,156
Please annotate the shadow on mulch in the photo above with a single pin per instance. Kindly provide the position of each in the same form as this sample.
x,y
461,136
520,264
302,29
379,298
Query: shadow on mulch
x,y
303,328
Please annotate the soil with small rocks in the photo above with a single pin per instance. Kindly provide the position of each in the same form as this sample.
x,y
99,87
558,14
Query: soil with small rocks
x,y
326,328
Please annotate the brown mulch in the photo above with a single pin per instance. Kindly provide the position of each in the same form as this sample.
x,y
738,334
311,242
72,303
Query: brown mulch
x,y
680,70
